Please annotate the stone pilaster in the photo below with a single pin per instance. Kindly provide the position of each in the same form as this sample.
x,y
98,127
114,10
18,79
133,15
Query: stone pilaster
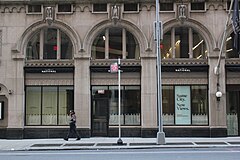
x,y
82,93
217,109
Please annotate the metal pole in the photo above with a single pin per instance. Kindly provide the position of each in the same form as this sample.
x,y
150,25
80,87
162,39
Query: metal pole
x,y
119,141
160,134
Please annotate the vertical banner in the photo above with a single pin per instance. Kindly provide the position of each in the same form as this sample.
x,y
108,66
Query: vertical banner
x,y
182,105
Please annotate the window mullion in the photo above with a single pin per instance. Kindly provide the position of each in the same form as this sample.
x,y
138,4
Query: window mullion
x,y
190,35
41,43
173,42
124,43
58,44
107,44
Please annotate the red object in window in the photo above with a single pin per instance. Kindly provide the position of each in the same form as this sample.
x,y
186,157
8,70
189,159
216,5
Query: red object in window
x,y
161,46
55,48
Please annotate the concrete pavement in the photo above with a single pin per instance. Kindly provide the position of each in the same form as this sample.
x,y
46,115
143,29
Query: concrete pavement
x,y
111,143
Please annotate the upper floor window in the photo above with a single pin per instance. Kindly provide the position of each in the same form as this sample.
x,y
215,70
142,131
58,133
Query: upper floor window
x,y
166,6
230,51
113,43
197,6
183,42
49,43
34,8
99,7
131,7
64,8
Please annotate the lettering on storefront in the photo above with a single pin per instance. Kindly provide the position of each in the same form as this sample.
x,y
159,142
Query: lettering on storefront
x,y
182,105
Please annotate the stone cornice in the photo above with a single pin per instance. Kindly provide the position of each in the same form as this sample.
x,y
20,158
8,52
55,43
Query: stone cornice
x,y
110,61
183,61
232,61
49,63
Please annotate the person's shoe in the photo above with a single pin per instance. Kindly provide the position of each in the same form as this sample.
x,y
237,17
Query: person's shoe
x,y
65,139
78,139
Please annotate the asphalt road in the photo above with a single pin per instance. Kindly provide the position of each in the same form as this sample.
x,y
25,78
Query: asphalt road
x,y
137,154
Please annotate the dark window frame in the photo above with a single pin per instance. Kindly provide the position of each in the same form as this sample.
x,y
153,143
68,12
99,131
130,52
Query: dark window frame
x,y
31,8
61,8
197,7
99,8
127,7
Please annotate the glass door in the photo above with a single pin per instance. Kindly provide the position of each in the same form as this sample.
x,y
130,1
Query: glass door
x,y
233,110
100,117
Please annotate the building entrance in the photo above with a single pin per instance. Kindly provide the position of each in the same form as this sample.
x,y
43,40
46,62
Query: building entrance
x,y
100,114
233,110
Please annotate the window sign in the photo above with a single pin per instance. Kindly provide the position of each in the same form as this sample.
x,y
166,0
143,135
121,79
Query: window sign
x,y
1,110
182,105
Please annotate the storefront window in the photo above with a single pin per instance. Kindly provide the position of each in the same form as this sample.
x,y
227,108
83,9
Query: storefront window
x,y
183,42
233,110
49,43
185,105
33,106
113,43
130,103
47,105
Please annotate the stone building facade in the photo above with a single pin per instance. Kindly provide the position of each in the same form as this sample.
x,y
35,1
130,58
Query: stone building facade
x,y
56,55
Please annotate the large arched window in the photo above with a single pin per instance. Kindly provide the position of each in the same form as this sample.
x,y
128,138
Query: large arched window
x,y
113,43
230,51
183,42
49,43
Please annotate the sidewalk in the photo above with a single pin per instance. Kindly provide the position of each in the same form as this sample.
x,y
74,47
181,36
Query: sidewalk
x,y
111,143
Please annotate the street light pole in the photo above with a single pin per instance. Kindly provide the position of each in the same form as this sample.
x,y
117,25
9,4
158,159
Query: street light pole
x,y
160,133
119,141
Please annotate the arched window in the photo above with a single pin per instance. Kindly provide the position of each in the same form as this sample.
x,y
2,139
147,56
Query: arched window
x,y
49,43
113,43
230,51
183,42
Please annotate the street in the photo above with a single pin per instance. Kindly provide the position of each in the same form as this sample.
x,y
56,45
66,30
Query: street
x,y
130,154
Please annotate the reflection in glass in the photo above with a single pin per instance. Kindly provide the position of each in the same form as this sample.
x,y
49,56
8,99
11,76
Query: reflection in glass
x,y
33,105
98,46
49,108
33,47
66,100
186,43
117,45
47,47
66,47
50,44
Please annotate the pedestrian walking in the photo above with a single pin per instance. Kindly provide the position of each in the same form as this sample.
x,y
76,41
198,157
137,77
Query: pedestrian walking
x,y
72,124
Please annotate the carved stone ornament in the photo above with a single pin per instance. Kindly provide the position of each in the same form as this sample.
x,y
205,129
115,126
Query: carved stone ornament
x,y
49,15
182,12
115,13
